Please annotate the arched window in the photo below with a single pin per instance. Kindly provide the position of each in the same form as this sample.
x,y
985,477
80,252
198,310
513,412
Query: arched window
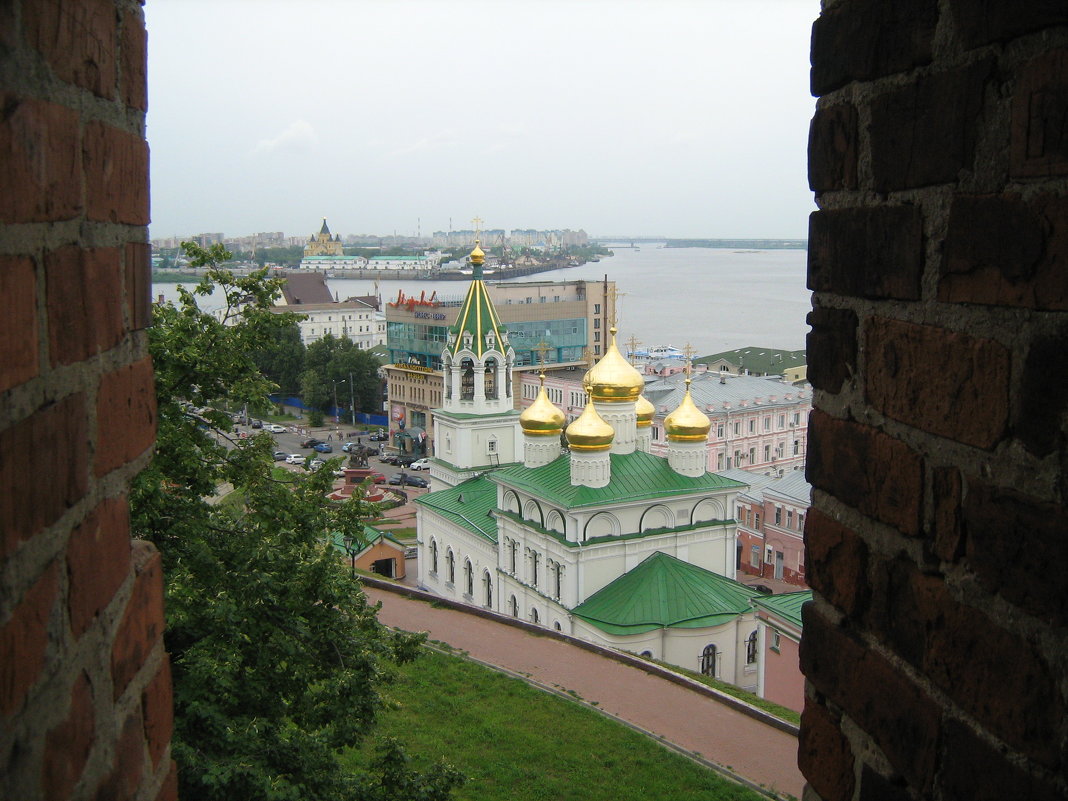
x,y
487,584
751,649
557,626
467,380
469,578
646,654
514,604
434,556
491,379
533,615
708,660
450,567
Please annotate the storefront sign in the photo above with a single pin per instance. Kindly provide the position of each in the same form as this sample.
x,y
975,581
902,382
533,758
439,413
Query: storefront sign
x,y
411,303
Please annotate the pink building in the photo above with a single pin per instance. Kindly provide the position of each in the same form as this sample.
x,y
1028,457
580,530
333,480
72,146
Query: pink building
x,y
771,526
778,637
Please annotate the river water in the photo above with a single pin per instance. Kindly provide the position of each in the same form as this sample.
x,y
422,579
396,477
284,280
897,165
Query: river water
x,y
711,299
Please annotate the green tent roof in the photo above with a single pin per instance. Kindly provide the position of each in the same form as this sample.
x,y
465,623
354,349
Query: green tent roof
x,y
665,592
467,504
787,606
635,476
477,317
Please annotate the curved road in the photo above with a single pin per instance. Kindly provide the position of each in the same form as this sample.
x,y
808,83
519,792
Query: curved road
x,y
695,723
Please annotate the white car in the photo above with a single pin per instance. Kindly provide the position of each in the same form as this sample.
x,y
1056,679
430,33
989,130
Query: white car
x,y
274,428
296,458
420,464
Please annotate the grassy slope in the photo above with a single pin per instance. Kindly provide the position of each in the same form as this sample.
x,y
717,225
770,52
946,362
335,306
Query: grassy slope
x,y
515,742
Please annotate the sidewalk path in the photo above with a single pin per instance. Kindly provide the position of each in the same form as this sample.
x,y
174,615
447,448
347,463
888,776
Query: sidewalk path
x,y
751,749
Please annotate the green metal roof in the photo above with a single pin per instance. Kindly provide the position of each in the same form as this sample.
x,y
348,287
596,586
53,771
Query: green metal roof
x,y
665,592
787,606
758,361
477,317
467,504
635,476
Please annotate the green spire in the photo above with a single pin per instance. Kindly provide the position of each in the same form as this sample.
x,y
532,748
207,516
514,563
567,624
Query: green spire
x,y
477,315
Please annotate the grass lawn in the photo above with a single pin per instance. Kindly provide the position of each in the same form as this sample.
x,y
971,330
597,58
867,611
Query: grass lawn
x,y
514,742
405,534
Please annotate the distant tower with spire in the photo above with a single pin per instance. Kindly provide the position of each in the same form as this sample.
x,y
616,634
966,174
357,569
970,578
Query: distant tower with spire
x,y
323,244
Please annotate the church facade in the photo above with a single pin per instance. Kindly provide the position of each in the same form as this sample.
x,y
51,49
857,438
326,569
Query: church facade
x,y
583,530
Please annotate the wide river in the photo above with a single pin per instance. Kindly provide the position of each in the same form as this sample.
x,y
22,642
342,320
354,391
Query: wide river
x,y
711,299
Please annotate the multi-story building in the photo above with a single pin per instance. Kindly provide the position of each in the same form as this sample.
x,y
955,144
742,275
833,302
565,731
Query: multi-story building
x,y
778,646
323,244
553,325
791,365
356,318
771,525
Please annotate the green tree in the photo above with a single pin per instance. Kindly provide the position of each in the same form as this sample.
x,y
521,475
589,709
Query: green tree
x,y
332,360
278,661
282,361
314,390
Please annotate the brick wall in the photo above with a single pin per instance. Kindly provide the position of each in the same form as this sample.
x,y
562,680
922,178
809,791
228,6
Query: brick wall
x,y
85,697
935,650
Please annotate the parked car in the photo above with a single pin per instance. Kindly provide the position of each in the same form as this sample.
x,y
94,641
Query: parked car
x,y
379,436
257,424
323,447
315,464
397,478
416,481
274,428
309,442
296,458
420,464
378,478
280,456
388,458
405,461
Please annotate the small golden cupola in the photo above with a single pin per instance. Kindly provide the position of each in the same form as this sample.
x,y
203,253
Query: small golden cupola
x,y
542,418
613,379
589,432
687,423
644,411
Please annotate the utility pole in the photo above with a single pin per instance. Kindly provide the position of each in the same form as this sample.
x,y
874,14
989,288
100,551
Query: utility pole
x,y
352,399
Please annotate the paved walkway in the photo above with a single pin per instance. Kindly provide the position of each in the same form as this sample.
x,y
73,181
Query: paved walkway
x,y
693,722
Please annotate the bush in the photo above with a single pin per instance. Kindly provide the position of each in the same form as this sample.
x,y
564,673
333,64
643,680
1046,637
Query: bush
x,y
315,418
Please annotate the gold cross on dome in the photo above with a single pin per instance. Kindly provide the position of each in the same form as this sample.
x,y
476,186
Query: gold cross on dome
x,y
611,315
477,222
632,345
543,348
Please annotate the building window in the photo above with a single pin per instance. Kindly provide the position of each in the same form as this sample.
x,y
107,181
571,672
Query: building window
x,y
797,447
719,431
719,461
789,518
533,615
752,426
514,604
754,556
596,308
751,649
434,556
491,445
450,567
756,523
782,421
776,641
597,323
801,523
708,660
487,585
469,578
778,515
737,428
767,453
596,336
767,423
752,456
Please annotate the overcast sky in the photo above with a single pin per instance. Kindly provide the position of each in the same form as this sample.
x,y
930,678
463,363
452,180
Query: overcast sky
x,y
682,118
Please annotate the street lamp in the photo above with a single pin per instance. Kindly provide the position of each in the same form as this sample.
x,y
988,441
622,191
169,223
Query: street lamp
x,y
349,544
352,399
337,417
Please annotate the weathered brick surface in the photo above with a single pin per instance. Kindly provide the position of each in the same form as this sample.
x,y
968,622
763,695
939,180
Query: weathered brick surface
x,y
18,323
129,765
142,622
949,384
980,22
1039,135
76,39
169,790
28,504
67,746
84,302
946,517
834,335
115,163
138,272
24,639
824,755
832,148
866,39
836,560
134,61
126,416
158,709
98,561
860,682
1040,412
40,164
925,133
1006,534
867,253
1003,251
875,473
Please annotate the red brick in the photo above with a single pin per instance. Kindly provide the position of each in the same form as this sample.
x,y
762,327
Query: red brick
x,y
832,148
837,563
824,755
134,60
18,324
84,302
925,133
76,39
98,561
867,252
169,790
1043,396
138,268
942,382
39,166
980,22
128,767
59,478
8,29
902,720
998,779
876,787
1039,143
1014,543
1003,251
832,348
24,639
158,707
116,175
67,746
947,541
867,469
867,39
125,415
142,623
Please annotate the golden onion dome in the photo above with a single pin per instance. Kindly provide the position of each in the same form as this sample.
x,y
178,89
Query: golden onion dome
x,y
687,423
477,256
613,379
645,412
542,418
590,432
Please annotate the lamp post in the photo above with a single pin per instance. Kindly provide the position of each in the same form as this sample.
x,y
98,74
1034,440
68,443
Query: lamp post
x,y
349,544
352,399
337,417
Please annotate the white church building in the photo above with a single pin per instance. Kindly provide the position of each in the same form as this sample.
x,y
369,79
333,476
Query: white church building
x,y
600,539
